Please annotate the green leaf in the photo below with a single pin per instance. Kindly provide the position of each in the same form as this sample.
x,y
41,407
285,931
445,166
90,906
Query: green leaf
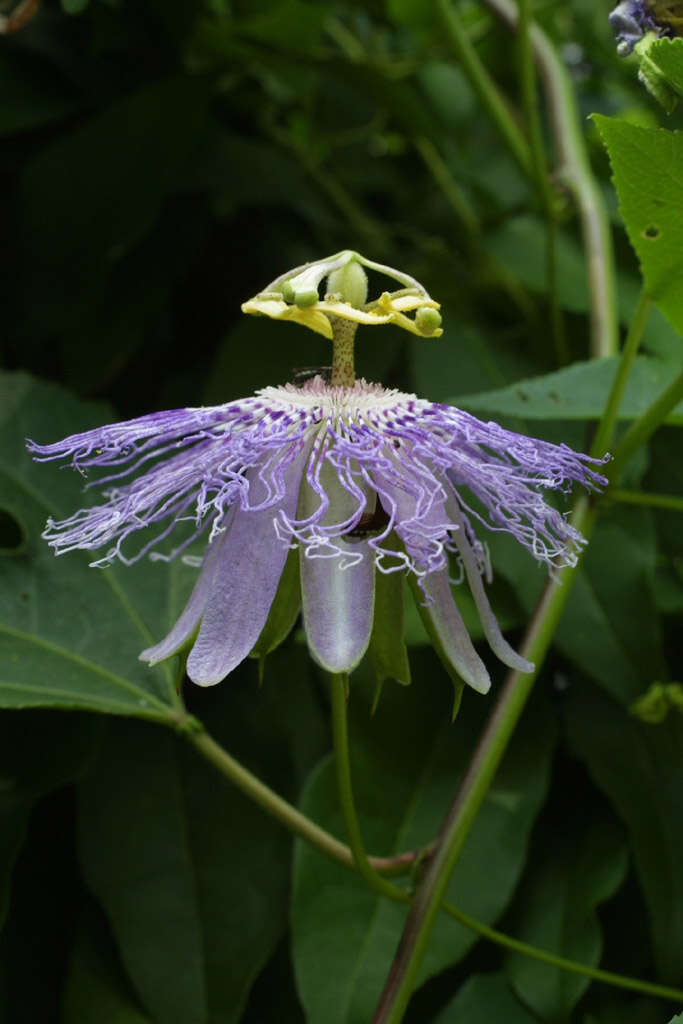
x,y
661,63
344,935
610,626
288,21
520,244
647,164
74,6
37,98
483,999
556,911
618,1008
577,392
411,13
96,989
192,875
70,635
447,91
638,767
37,754
95,192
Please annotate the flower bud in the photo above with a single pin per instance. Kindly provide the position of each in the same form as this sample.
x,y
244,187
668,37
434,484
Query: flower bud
x,y
427,320
287,291
308,297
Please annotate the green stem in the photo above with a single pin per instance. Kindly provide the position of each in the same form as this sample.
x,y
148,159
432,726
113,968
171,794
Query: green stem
x,y
642,429
648,499
343,769
609,977
605,433
484,86
284,812
474,787
556,316
575,171
545,188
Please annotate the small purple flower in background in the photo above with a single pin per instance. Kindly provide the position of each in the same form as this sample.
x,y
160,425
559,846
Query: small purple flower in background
x,y
359,479
630,20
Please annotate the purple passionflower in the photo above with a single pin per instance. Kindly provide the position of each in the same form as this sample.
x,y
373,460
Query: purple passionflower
x,y
358,478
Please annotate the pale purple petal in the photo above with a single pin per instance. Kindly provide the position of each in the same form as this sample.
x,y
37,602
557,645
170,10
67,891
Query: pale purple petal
x,y
338,597
497,642
452,632
245,582
194,609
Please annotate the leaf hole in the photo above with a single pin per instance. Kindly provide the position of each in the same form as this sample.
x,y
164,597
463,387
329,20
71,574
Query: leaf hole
x,y
522,395
12,534
651,232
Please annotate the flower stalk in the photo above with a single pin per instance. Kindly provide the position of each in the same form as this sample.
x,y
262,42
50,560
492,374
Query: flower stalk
x,y
345,789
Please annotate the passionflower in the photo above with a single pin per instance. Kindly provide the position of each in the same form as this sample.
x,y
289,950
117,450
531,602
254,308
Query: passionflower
x,y
310,495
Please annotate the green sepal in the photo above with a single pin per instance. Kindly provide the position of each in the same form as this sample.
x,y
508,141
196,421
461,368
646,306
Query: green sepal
x,y
283,612
387,649
458,684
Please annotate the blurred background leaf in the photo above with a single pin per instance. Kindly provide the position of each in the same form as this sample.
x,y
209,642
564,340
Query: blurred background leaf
x,y
485,997
556,913
637,766
344,935
194,877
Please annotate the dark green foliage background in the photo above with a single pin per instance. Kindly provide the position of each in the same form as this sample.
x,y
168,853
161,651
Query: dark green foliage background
x,y
163,160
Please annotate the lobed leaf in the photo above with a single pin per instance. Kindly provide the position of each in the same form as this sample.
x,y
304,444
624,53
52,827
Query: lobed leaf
x,y
647,164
